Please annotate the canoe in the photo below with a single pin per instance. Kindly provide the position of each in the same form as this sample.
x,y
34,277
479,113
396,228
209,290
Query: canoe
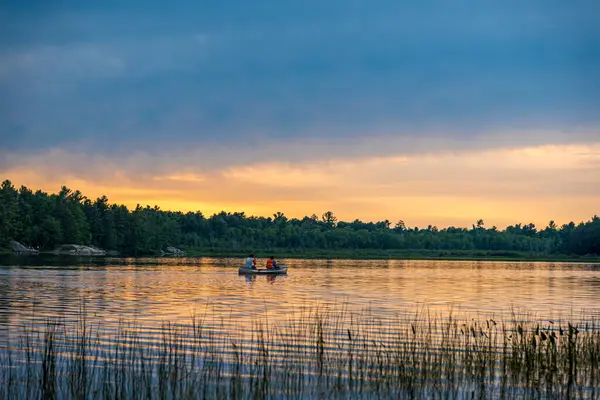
x,y
263,271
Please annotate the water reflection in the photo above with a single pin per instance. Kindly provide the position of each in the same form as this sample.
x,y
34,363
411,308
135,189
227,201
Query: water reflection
x,y
5,306
155,290
372,297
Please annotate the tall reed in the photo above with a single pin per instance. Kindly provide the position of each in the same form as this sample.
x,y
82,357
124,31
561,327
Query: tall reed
x,y
316,353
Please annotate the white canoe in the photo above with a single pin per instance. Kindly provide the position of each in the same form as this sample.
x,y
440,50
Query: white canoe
x,y
263,271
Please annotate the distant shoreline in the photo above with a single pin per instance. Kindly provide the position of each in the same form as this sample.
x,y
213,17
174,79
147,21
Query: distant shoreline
x,y
394,255
292,254
67,221
474,255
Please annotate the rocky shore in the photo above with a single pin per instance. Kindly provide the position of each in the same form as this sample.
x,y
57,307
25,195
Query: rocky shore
x,y
79,250
22,249
84,250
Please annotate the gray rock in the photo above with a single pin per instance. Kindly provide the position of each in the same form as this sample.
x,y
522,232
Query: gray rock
x,y
170,250
21,249
79,250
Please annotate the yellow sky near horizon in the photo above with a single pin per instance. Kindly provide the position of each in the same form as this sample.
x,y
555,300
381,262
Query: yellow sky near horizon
x,y
501,186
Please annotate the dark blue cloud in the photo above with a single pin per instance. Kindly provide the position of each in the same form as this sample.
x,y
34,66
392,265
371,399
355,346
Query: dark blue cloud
x,y
121,72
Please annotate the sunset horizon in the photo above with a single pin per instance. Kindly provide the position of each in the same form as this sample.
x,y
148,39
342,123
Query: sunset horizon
x,y
430,115
450,188
425,114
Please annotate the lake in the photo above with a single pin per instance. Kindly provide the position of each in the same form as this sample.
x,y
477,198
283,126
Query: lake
x,y
376,298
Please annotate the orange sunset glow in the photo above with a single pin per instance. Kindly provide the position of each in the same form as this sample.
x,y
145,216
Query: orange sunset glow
x,y
419,113
504,186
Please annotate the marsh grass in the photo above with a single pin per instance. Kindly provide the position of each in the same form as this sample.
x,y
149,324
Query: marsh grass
x,y
316,353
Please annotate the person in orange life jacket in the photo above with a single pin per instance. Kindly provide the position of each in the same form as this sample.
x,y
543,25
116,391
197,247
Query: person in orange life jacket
x,y
271,263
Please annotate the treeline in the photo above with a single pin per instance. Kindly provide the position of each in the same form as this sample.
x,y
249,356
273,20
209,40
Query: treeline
x,y
44,221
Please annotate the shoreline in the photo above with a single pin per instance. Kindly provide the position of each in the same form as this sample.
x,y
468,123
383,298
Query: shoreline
x,y
337,255
438,255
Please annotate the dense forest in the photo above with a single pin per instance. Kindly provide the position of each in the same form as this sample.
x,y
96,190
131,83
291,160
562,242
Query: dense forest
x,y
44,221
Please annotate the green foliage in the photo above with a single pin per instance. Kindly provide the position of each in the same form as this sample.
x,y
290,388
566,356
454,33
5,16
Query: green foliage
x,y
9,212
44,221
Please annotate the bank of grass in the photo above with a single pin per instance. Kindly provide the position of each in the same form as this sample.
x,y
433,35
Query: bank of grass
x,y
373,254
319,353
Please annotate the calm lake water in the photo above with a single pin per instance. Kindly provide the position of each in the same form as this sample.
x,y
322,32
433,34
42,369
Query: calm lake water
x,y
154,290
327,329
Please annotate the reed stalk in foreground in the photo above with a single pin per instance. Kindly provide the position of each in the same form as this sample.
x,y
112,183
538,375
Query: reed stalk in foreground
x,y
318,353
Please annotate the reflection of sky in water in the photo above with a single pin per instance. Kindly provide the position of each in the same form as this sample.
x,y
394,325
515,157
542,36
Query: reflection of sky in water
x,y
155,290
365,307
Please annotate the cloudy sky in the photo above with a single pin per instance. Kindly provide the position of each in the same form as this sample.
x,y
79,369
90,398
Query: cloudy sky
x,y
433,112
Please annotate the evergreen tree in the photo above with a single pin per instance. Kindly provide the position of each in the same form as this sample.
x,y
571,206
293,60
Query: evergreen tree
x,y
45,221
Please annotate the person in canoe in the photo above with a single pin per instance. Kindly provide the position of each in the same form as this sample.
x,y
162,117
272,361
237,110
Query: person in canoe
x,y
250,262
271,263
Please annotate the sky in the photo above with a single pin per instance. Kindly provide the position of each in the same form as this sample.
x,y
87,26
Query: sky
x,y
432,112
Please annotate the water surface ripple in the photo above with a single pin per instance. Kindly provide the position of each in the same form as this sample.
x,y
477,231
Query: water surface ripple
x,y
155,290
192,327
